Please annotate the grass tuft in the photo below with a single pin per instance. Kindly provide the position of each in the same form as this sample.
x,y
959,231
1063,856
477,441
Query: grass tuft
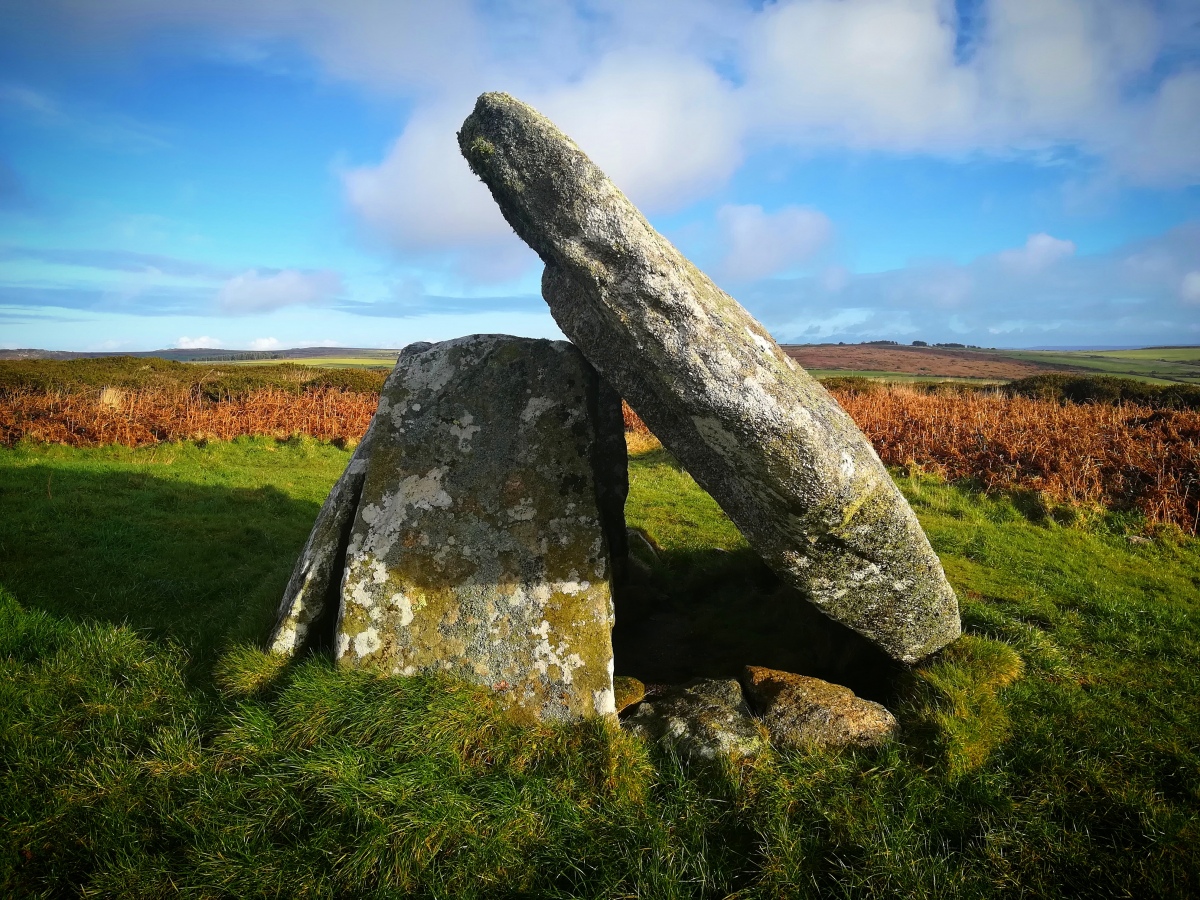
x,y
960,699
246,670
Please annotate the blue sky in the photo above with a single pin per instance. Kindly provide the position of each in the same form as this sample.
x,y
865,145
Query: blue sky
x,y
262,174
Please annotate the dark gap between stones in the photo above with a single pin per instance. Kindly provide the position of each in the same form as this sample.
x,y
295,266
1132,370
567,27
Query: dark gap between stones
x,y
708,614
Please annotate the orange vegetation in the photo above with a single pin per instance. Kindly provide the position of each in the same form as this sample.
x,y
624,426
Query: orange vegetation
x,y
1120,456
136,417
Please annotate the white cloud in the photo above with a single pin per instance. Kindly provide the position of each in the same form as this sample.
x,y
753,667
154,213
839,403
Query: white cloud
x,y
1040,250
267,343
197,343
1162,144
758,244
424,201
1129,295
871,73
666,129
671,109
251,292
1116,78
671,96
1189,290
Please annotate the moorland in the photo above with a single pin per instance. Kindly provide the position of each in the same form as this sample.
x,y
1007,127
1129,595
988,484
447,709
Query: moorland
x,y
153,511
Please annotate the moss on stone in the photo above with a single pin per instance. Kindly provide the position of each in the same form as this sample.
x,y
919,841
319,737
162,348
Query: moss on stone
x,y
682,351
479,527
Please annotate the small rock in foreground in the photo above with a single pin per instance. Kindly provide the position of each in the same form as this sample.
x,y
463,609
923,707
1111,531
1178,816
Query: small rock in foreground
x,y
628,691
806,712
705,718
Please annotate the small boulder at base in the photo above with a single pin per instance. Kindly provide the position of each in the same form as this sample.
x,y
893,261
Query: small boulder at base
x,y
706,718
806,712
771,446
628,691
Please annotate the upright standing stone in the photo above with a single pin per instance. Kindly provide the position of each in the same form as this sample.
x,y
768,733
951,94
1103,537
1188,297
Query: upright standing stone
x,y
481,542
785,462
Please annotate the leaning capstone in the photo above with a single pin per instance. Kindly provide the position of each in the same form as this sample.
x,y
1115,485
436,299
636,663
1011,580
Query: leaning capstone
x,y
777,453
481,542
703,719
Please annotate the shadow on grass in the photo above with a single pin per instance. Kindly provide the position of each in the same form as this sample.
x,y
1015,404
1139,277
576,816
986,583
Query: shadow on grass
x,y
711,613
200,565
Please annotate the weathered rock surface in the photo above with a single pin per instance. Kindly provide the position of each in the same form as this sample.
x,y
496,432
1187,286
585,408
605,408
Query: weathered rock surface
x,y
806,712
703,719
628,691
490,495
312,597
785,462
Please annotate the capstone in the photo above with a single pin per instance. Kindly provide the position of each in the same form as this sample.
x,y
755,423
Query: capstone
x,y
783,460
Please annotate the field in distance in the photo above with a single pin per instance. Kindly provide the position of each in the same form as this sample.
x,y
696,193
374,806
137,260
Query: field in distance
x,y
886,361
335,357
896,362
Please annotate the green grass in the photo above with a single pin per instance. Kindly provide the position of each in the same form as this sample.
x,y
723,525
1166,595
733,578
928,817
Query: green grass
x,y
382,359
1162,366
178,541
1051,753
214,380
1170,354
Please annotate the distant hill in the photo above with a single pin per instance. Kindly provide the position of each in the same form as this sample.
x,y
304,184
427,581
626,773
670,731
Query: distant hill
x,y
211,354
890,360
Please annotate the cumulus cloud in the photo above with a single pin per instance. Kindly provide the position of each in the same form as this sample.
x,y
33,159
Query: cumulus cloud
x,y
1104,75
670,97
670,112
665,129
251,292
267,343
197,343
424,201
758,244
1040,251
872,73
1189,290
1142,292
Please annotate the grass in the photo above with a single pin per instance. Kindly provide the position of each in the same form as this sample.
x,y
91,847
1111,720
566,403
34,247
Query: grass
x,y
178,541
209,380
148,749
1158,366
383,359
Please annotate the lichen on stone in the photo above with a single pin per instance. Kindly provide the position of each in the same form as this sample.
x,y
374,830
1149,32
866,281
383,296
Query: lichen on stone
x,y
770,445
479,546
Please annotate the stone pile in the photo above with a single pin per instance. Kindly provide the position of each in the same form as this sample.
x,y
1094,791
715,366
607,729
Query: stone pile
x,y
478,529
710,717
